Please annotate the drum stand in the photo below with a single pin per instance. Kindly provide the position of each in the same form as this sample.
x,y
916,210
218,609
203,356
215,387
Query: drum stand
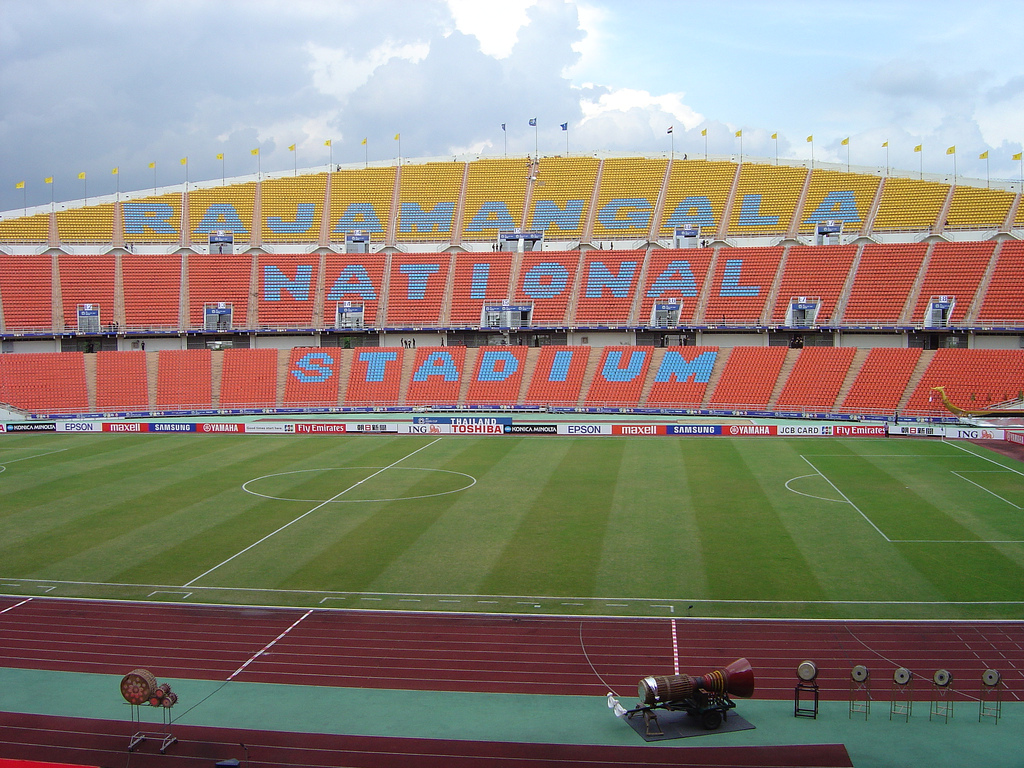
x,y
166,737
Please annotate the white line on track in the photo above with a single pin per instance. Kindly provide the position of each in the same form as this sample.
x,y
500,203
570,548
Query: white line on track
x,y
675,648
16,605
269,645
314,509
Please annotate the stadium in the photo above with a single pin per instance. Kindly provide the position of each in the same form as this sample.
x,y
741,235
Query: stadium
x,y
413,463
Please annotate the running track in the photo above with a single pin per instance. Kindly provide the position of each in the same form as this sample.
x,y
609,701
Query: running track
x,y
501,654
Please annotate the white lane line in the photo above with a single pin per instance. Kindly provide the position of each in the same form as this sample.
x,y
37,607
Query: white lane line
x,y
16,605
675,648
314,509
269,645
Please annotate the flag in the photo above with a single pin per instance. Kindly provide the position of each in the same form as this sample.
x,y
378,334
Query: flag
x,y
845,141
48,180
739,133
327,143
983,155
704,132
254,151
220,155
152,165
533,122
565,127
670,129
398,136
81,175
917,148
503,126
291,148
951,150
775,136
363,141
885,143
113,171
20,185
810,138
1018,156
184,161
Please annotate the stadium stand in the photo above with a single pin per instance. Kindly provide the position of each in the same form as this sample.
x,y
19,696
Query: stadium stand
x,y
558,376
814,383
495,198
608,287
184,380
741,283
153,219
766,199
546,280
813,272
675,275
121,382
417,283
954,272
227,208
562,191
882,284
748,377
427,201
1003,302
212,279
26,292
313,378
91,224
620,376
627,197
497,376
287,290
361,200
437,376
681,377
974,379
292,208
478,278
86,280
356,279
45,382
696,194
25,229
248,378
881,381
376,376
838,196
152,291
974,207
909,204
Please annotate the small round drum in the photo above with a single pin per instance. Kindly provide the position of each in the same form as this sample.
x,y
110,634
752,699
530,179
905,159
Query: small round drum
x,y
859,673
991,677
901,676
137,686
807,671
942,678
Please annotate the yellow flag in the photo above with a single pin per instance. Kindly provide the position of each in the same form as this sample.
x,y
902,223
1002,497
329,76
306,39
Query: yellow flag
x,y
704,132
810,138
951,150
885,143
81,175
291,148
20,185
327,143
983,155
917,148
845,141
48,180
363,141
775,135
255,151
1018,156
398,136
220,155
152,165
739,133
184,161
113,171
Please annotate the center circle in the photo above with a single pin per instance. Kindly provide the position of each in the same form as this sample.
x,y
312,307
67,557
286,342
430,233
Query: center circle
x,y
339,498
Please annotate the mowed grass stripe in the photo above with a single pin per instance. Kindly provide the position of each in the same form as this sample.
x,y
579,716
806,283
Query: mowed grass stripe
x,y
557,546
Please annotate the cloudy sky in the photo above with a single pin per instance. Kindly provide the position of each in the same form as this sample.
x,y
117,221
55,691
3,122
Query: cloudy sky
x,y
90,85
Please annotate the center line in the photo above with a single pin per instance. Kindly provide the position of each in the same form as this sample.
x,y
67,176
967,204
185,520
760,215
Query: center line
x,y
304,514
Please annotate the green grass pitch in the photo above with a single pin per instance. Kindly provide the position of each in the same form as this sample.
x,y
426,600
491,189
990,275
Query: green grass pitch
x,y
717,526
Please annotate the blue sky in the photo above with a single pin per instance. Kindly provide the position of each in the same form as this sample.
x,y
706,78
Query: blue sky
x,y
90,86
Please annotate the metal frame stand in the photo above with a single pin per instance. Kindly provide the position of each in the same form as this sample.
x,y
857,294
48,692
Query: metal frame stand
x,y
990,702
860,698
166,737
942,703
901,703
803,711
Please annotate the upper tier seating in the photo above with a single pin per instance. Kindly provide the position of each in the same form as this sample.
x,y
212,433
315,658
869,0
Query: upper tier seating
x,y
361,200
287,290
91,224
609,283
749,376
26,291
766,199
629,191
495,198
954,271
838,196
86,280
814,383
152,291
561,196
909,204
222,208
814,272
881,380
1004,300
696,194
427,198
292,208
25,229
974,207
885,275
153,219
248,378
558,377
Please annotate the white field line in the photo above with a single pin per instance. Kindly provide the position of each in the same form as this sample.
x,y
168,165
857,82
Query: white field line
x,y
982,487
985,458
5,462
846,499
269,645
311,511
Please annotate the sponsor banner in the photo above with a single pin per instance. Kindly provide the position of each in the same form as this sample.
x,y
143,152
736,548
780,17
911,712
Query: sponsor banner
x,y
531,429
219,426
171,426
974,433
322,428
859,430
804,430
462,420
31,426
424,429
79,426
922,431
638,429
373,429
694,429
1014,437
125,426
270,429
584,429
749,429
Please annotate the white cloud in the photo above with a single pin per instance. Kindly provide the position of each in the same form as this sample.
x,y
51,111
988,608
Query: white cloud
x,y
626,99
495,25
336,73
